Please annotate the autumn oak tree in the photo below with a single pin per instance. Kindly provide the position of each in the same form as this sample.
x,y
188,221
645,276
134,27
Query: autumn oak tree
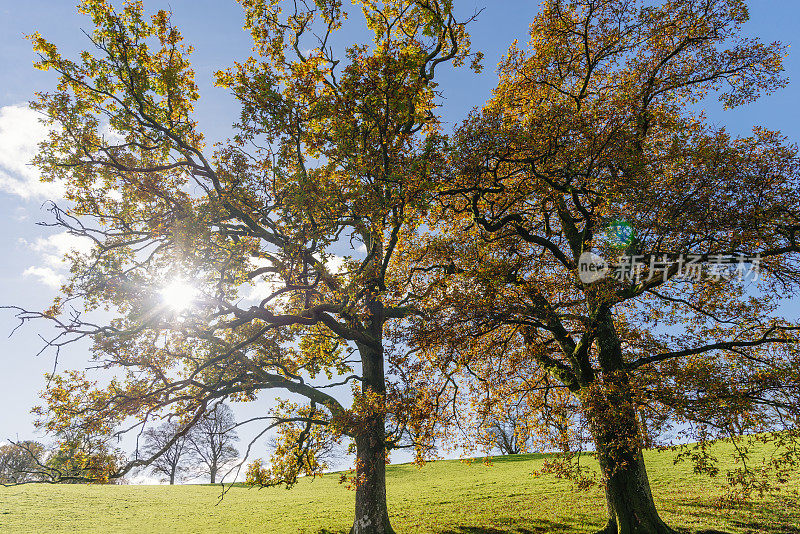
x,y
309,200
597,121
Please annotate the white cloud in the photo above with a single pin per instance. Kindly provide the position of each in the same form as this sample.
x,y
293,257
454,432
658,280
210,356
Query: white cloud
x,y
263,288
20,214
51,269
264,285
20,134
334,263
111,135
46,275
54,247
114,194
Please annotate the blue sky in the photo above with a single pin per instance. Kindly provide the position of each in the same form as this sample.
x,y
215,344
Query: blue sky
x,y
31,253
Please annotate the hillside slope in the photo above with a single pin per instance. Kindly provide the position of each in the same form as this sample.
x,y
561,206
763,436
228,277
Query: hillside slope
x,y
445,497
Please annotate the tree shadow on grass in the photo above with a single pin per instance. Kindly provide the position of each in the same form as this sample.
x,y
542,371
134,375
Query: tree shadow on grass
x,y
539,527
746,516
755,527
767,529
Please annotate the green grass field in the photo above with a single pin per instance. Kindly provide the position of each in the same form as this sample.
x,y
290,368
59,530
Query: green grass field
x,y
442,497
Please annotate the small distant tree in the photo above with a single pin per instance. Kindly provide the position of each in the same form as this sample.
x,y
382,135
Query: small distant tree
x,y
78,457
20,462
507,431
176,455
211,439
518,425
501,402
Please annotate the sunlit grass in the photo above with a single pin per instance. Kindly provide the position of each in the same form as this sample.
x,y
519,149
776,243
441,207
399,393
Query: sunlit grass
x,y
443,497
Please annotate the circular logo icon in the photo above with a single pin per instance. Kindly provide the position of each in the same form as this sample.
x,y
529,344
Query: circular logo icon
x,y
619,234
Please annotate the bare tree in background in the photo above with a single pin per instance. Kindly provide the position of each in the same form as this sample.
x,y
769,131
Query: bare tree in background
x,y
211,440
19,462
508,430
173,461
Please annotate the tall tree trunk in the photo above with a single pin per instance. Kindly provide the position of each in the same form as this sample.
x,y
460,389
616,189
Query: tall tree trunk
x,y
372,513
631,508
213,473
613,420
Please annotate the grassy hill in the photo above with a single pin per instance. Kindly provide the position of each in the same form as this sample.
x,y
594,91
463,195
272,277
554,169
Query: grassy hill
x,y
445,497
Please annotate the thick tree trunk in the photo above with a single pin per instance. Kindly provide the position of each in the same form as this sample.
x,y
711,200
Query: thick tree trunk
x,y
213,473
631,508
372,514
618,442
613,420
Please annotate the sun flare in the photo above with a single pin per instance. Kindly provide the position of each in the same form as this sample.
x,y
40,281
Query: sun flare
x,y
179,295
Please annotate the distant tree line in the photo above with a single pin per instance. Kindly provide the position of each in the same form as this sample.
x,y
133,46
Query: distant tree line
x,y
202,449
73,458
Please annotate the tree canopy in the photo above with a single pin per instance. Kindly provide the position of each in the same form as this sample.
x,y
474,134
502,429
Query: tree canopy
x,y
20,462
587,247
593,129
310,200
211,441
169,455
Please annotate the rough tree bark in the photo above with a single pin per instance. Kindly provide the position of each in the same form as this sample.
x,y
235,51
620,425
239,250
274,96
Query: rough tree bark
x,y
614,424
372,513
631,508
